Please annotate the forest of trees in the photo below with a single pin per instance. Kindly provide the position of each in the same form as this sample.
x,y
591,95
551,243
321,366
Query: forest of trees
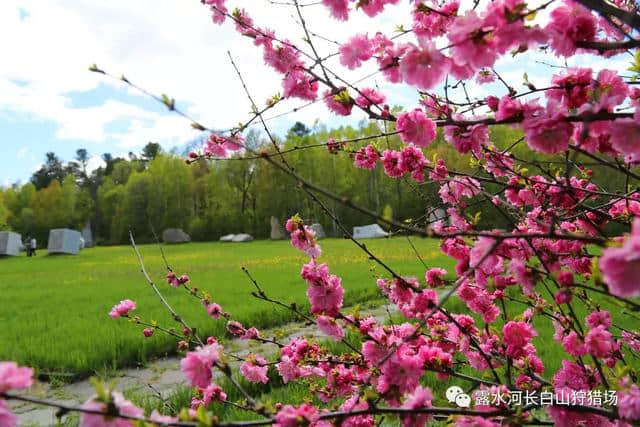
x,y
157,190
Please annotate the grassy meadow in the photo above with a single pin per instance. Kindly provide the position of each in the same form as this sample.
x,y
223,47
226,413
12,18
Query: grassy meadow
x,y
53,309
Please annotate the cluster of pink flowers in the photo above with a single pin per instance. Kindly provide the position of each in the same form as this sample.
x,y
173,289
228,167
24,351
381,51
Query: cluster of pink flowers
x,y
176,281
12,377
544,258
303,237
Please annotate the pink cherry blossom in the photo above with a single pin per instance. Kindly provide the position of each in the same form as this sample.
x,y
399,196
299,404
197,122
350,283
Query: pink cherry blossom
x,y
621,266
214,310
599,342
629,403
412,161
294,416
218,9
329,326
391,163
7,419
298,84
369,97
467,138
546,130
570,23
255,368
354,52
122,308
485,76
339,8
597,318
625,138
367,157
416,127
338,101
197,365
508,107
423,66
434,276
573,345
122,405
421,397
14,377
516,336
472,42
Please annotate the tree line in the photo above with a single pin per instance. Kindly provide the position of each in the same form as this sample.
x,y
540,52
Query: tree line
x,y
154,190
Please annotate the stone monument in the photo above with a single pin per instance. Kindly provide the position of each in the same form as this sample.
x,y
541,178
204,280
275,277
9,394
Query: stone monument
x,y
277,231
87,235
10,243
64,241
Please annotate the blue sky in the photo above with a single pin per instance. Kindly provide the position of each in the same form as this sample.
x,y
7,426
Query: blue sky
x,y
51,102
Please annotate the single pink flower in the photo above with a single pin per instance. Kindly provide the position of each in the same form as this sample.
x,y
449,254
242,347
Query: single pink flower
x,y
423,66
197,365
599,342
122,309
214,310
416,127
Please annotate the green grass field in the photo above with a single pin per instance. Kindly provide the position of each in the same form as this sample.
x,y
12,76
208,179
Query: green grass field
x,y
53,309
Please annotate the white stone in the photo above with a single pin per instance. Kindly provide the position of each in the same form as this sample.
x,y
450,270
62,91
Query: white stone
x,y
10,243
242,238
369,232
64,241
227,238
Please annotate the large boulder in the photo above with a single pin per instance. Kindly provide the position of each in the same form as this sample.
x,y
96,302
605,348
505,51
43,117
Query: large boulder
x,y
369,232
277,231
175,235
64,241
10,243
242,237
227,238
319,230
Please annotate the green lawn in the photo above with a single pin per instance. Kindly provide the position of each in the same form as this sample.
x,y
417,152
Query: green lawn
x,y
53,309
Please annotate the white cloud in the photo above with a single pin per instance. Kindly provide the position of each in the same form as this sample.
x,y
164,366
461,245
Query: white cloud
x,y
167,46
94,163
172,47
